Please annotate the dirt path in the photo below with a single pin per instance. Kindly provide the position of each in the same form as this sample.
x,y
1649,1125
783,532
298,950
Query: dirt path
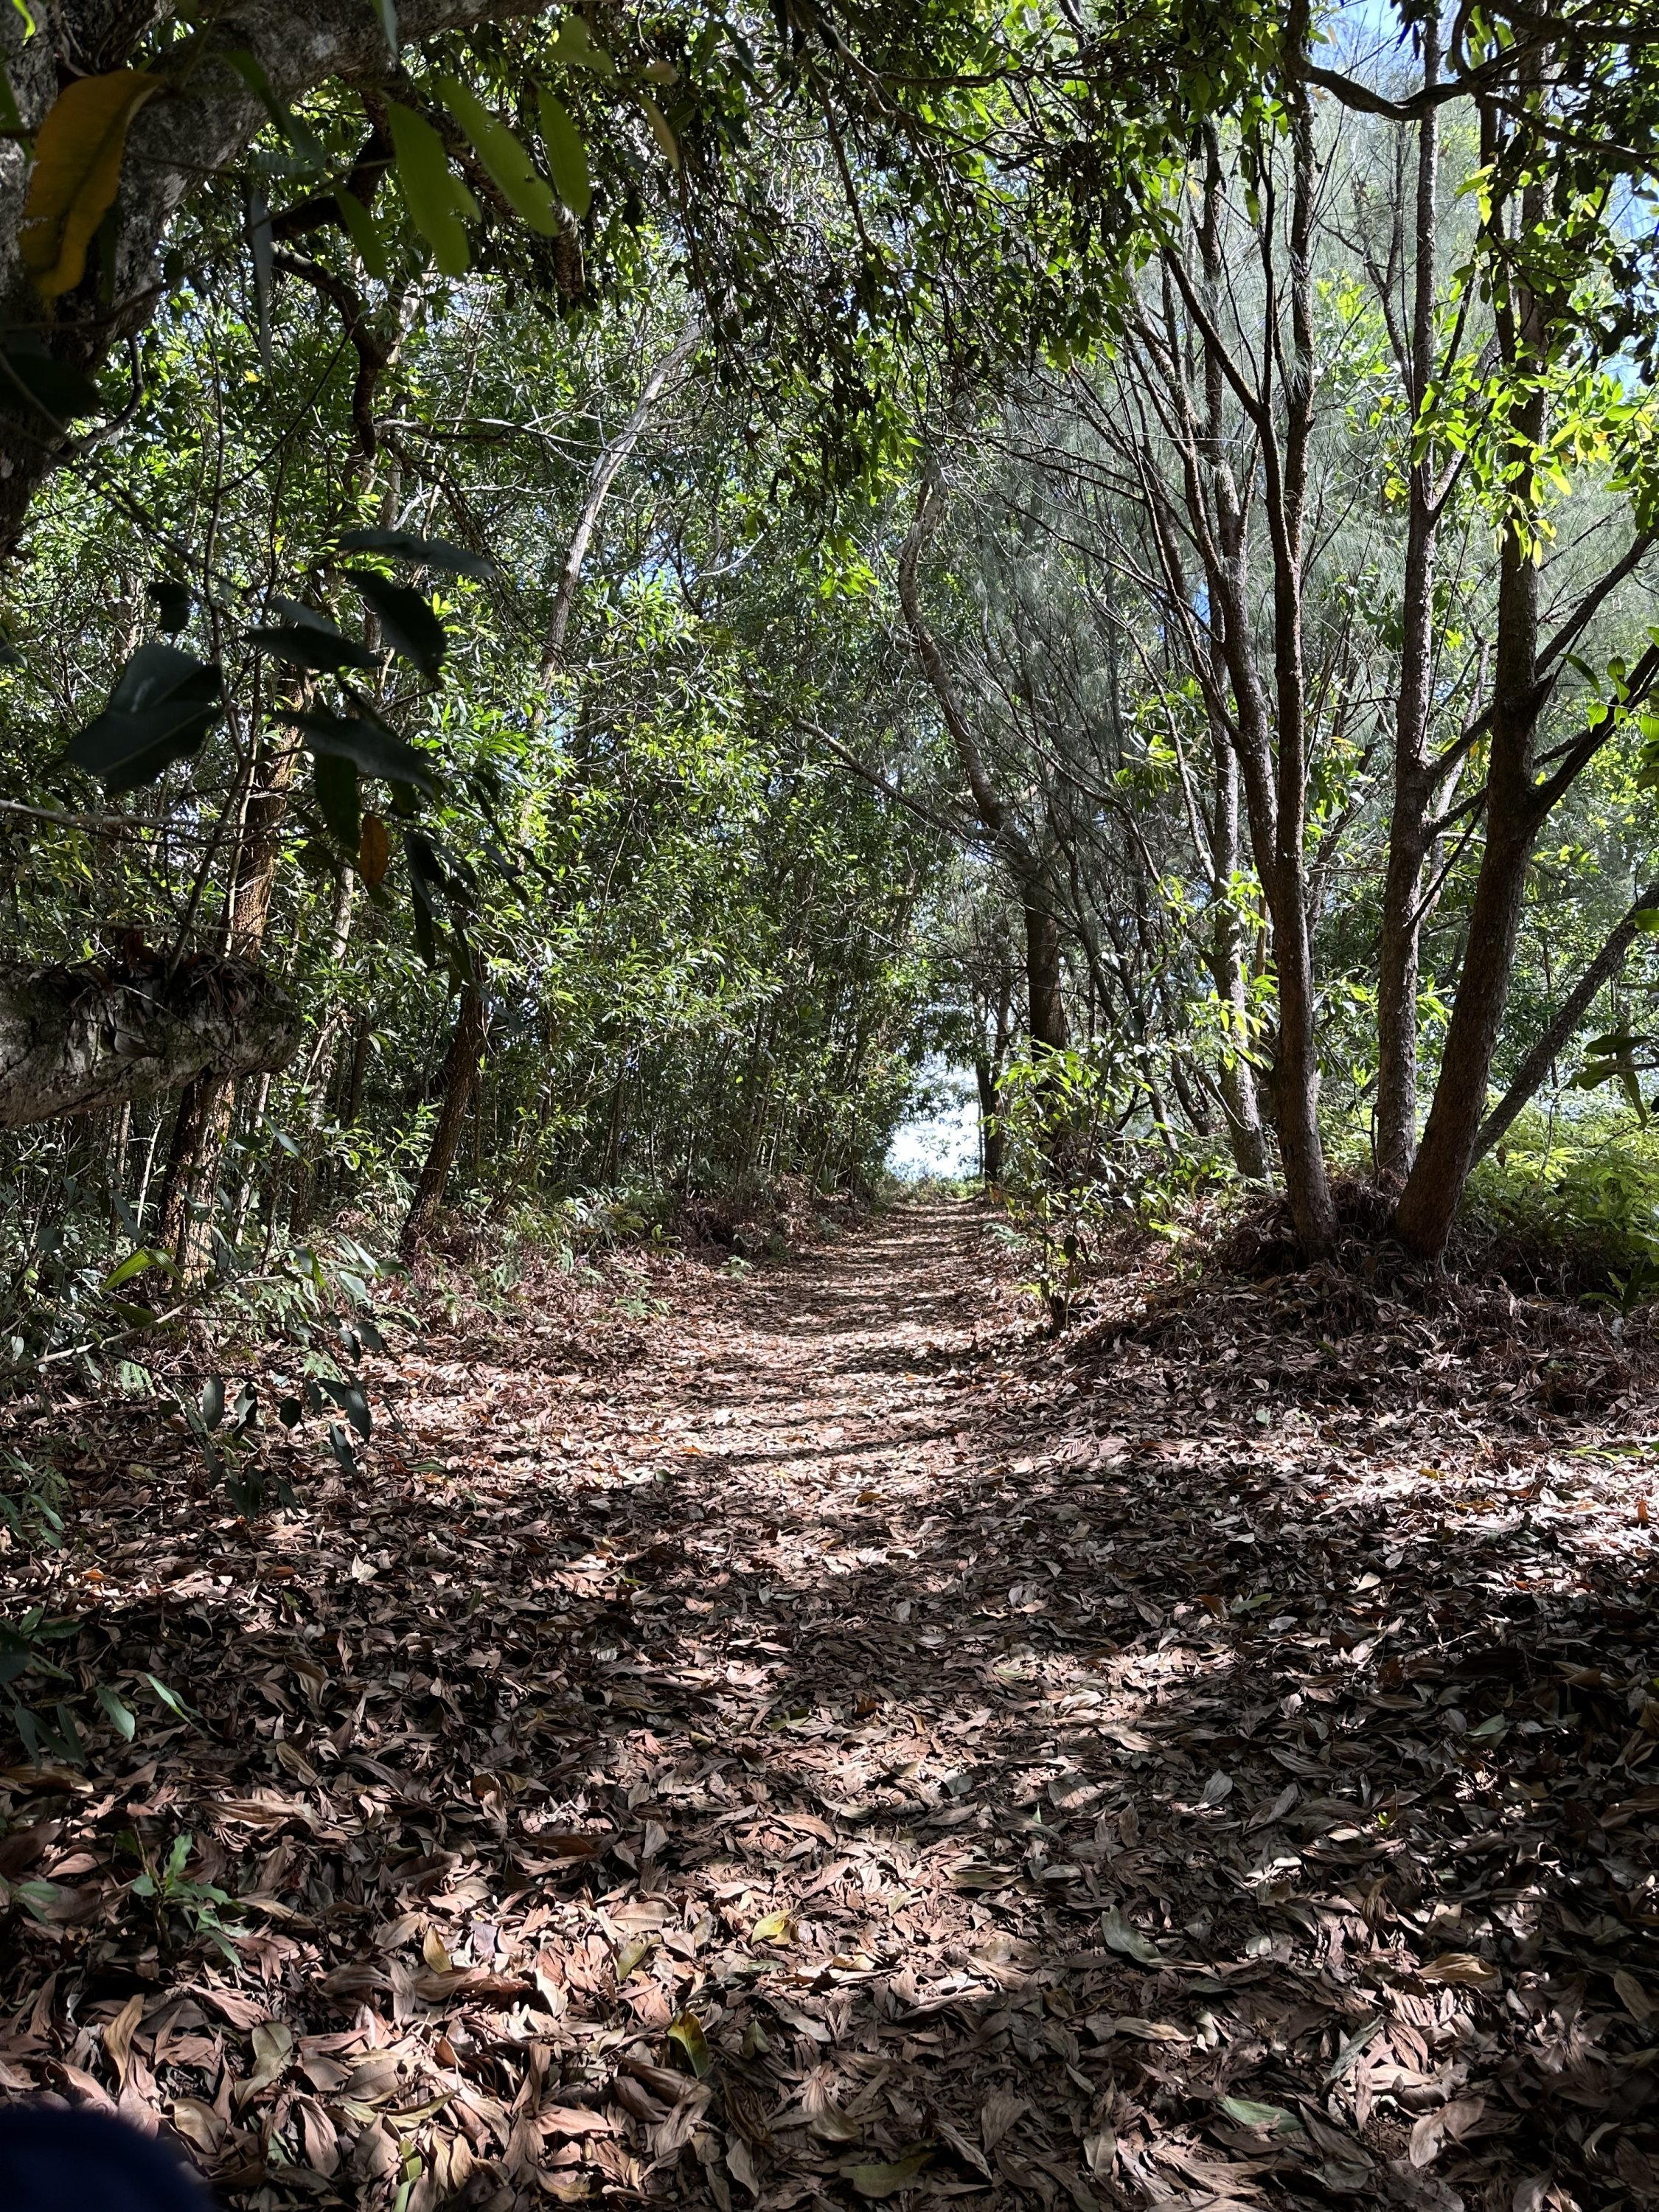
x,y
808,1747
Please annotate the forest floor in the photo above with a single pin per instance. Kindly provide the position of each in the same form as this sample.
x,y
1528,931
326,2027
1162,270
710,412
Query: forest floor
x,y
807,1740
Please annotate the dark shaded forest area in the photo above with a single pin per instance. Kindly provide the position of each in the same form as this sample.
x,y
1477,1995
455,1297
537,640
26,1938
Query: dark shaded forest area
x,y
613,614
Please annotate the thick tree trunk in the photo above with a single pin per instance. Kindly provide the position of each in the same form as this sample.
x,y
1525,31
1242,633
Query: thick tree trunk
x,y
462,1062
1515,808
1045,981
1296,1076
190,1184
72,1039
1427,1205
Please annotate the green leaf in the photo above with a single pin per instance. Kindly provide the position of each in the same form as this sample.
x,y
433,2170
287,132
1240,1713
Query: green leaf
x,y
574,46
387,12
134,1264
431,194
1249,2114
425,552
353,1402
334,780
364,233
510,166
212,1407
175,1704
45,1899
164,702
289,127
882,2180
308,640
686,2031
406,616
372,750
10,117
122,1717
425,875
1117,1935
426,942
567,156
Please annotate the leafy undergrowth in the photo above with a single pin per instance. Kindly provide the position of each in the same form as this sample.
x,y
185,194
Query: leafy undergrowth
x,y
797,1739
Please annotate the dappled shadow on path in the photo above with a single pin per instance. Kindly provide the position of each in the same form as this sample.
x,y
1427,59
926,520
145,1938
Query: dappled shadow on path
x,y
838,1754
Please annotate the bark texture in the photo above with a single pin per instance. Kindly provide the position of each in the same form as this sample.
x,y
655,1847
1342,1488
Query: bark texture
x,y
76,1038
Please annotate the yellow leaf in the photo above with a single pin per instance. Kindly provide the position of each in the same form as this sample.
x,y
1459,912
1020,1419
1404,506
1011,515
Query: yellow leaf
x,y
433,1951
1462,1969
76,173
687,2030
776,1928
660,129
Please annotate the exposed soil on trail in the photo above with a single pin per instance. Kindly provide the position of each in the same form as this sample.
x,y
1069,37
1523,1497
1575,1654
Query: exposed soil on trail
x,y
820,1744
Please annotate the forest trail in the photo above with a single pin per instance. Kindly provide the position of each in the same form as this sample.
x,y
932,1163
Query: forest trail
x,y
806,1744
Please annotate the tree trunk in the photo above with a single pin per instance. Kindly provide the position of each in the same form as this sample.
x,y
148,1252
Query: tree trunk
x,y
191,1182
352,1104
320,1074
1267,727
73,1039
1429,1202
1241,1108
610,462
1043,974
462,1062
1045,981
1415,793
990,1128
1565,1023
204,1112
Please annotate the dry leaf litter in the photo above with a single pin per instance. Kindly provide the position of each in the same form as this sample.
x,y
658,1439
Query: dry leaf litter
x,y
823,1746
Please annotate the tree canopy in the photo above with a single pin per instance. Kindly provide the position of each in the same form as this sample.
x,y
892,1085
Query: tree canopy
x,y
593,588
